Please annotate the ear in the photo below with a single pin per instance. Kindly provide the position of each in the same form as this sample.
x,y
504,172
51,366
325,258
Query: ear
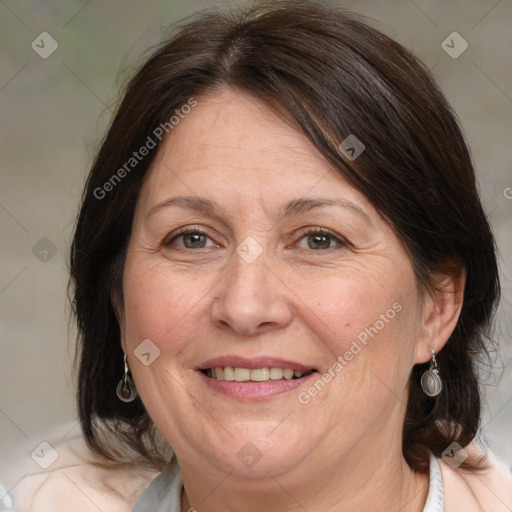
x,y
442,305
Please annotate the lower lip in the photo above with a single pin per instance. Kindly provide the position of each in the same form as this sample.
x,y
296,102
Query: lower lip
x,y
254,390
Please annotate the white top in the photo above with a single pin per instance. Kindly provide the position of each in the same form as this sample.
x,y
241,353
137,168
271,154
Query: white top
x,y
435,498
164,492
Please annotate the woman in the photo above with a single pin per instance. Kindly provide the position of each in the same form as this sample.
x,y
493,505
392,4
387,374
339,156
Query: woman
x,y
283,272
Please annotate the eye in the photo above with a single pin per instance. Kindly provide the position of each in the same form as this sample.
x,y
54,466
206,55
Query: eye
x,y
190,239
319,239
194,240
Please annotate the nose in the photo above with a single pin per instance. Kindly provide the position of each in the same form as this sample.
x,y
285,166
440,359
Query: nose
x,y
251,299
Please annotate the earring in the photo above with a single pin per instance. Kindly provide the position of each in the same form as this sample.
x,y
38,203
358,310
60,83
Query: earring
x,y
430,381
125,390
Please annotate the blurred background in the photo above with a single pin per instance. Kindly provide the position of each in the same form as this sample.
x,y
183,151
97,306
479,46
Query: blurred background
x,y
61,65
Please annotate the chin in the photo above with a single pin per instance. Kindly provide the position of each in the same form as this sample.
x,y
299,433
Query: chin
x,y
256,453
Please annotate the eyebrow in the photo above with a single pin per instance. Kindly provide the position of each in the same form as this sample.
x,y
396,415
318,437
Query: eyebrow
x,y
196,204
294,207
304,205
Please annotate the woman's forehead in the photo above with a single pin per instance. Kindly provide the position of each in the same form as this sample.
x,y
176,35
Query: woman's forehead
x,y
233,141
232,126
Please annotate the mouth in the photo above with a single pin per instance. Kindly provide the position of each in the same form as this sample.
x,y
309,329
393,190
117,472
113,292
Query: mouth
x,y
260,378
241,374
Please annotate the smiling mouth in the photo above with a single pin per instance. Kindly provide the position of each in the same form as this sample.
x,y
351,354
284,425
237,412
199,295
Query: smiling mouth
x,y
237,374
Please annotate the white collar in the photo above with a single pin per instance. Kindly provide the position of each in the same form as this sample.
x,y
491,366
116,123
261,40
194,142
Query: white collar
x,y
164,492
435,498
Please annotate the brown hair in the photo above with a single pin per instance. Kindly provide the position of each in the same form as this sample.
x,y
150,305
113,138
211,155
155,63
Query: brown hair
x,y
332,75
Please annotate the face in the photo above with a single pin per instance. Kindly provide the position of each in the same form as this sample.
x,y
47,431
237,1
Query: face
x,y
251,261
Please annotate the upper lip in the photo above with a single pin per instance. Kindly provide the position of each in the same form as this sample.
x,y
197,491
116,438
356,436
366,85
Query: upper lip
x,y
253,363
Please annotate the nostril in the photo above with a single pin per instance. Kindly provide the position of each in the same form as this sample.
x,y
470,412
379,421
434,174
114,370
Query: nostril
x,y
266,324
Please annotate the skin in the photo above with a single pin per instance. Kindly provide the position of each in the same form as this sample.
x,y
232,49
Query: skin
x,y
341,451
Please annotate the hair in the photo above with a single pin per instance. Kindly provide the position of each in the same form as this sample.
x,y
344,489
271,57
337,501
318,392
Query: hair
x,y
331,75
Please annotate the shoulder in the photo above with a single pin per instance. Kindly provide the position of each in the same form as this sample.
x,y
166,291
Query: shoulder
x,y
487,489
64,474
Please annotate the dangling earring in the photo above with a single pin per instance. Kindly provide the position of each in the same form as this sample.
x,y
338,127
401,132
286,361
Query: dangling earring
x,y
430,381
126,391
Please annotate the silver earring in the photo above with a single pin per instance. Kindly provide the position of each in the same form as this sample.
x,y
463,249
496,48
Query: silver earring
x,y
125,390
430,381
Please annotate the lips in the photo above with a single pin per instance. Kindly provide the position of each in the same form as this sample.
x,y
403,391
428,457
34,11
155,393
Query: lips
x,y
260,369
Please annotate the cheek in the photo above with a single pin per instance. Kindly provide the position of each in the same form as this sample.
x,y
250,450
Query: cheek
x,y
368,329
159,304
369,337
354,307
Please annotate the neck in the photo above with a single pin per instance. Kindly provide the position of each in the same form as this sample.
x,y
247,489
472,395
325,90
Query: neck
x,y
381,483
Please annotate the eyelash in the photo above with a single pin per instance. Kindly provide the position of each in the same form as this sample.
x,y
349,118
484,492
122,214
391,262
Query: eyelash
x,y
322,231
185,231
301,234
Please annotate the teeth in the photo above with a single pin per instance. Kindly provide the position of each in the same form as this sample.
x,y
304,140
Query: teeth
x,y
256,375
276,373
229,373
260,374
288,373
242,374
